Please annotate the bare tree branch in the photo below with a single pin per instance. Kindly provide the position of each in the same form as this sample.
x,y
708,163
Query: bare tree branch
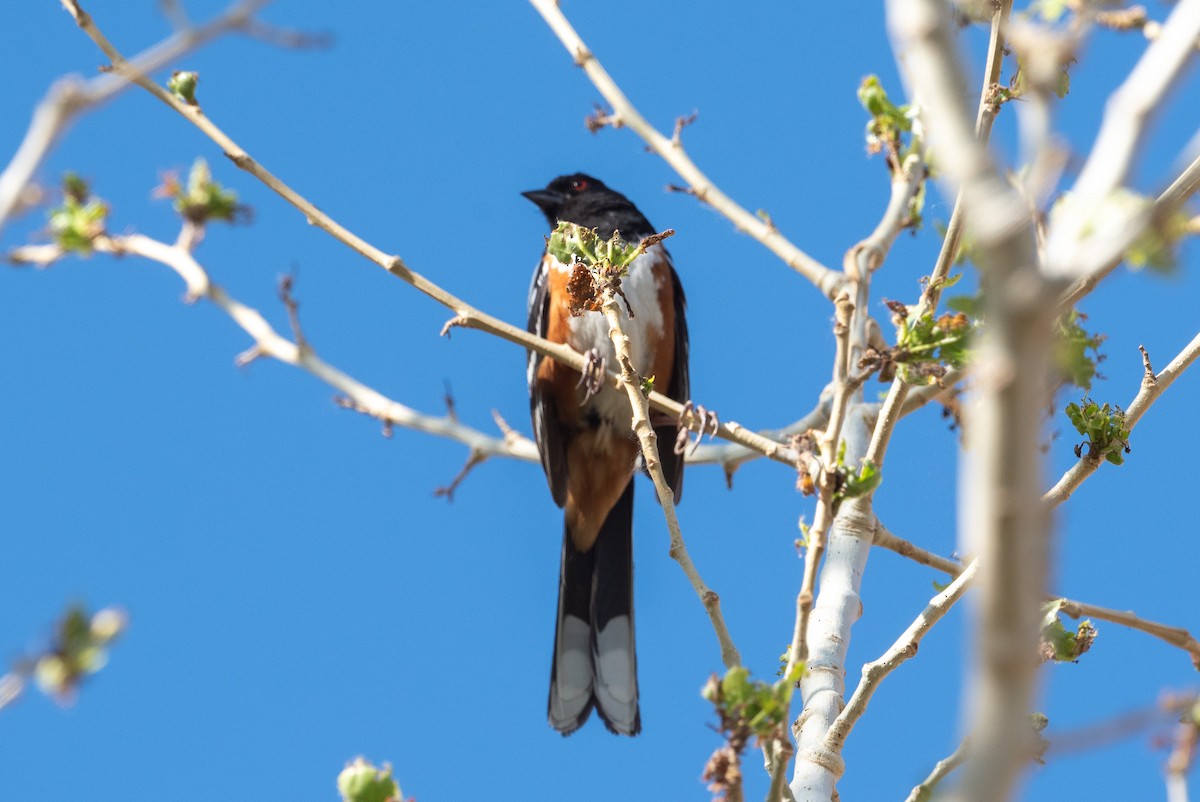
x,y
671,150
1176,636
648,440
904,548
1006,524
732,456
269,343
1070,252
941,771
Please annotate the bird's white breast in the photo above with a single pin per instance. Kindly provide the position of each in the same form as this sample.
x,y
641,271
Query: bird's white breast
x,y
645,328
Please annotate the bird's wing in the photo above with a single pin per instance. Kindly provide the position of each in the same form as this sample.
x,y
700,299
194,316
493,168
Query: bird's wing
x,y
547,430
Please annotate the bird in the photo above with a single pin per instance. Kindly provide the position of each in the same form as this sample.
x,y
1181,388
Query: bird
x,y
583,431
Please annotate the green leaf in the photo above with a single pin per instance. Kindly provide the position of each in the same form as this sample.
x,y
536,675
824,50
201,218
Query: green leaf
x,y
1077,351
868,478
1049,10
750,708
75,187
202,199
915,206
926,345
736,684
889,123
570,243
945,282
1157,246
1018,85
1063,86
80,219
1059,643
79,650
1103,426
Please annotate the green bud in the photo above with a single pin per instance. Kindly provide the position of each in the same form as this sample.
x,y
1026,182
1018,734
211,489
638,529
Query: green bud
x,y
362,782
183,85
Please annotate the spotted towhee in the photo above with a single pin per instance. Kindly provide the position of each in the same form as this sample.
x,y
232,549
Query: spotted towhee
x,y
589,452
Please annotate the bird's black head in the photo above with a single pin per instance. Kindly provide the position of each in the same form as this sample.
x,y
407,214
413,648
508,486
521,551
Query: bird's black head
x,y
587,201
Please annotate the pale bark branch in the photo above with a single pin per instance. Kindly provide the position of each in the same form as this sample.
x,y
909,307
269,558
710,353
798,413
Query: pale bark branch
x,y
849,334
1070,252
465,315
1006,525
1176,636
1169,202
941,771
828,441
648,441
269,343
843,575
905,548
671,150
844,530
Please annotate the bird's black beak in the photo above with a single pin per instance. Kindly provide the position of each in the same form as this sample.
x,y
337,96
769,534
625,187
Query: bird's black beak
x,y
549,201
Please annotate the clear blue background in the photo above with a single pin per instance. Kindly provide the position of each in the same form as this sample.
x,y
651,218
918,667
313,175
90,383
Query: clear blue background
x,y
297,594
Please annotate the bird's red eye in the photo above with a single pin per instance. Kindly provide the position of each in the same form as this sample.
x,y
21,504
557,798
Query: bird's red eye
x,y
579,186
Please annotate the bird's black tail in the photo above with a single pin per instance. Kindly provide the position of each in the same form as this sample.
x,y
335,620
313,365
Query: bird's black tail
x,y
595,662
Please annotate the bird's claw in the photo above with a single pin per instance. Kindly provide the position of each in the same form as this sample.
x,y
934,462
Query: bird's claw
x,y
593,375
709,424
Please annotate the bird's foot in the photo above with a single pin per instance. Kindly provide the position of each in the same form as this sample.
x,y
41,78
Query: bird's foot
x,y
708,425
594,374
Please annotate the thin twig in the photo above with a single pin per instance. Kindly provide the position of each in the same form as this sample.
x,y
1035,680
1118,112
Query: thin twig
x,y
1097,735
828,281
1169,202
1175,636
269,343
648,441
904,548
1008,526
732,456
447,491
941,771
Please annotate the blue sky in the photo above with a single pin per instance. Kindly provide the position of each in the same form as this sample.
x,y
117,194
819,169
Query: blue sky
x,y
298,596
